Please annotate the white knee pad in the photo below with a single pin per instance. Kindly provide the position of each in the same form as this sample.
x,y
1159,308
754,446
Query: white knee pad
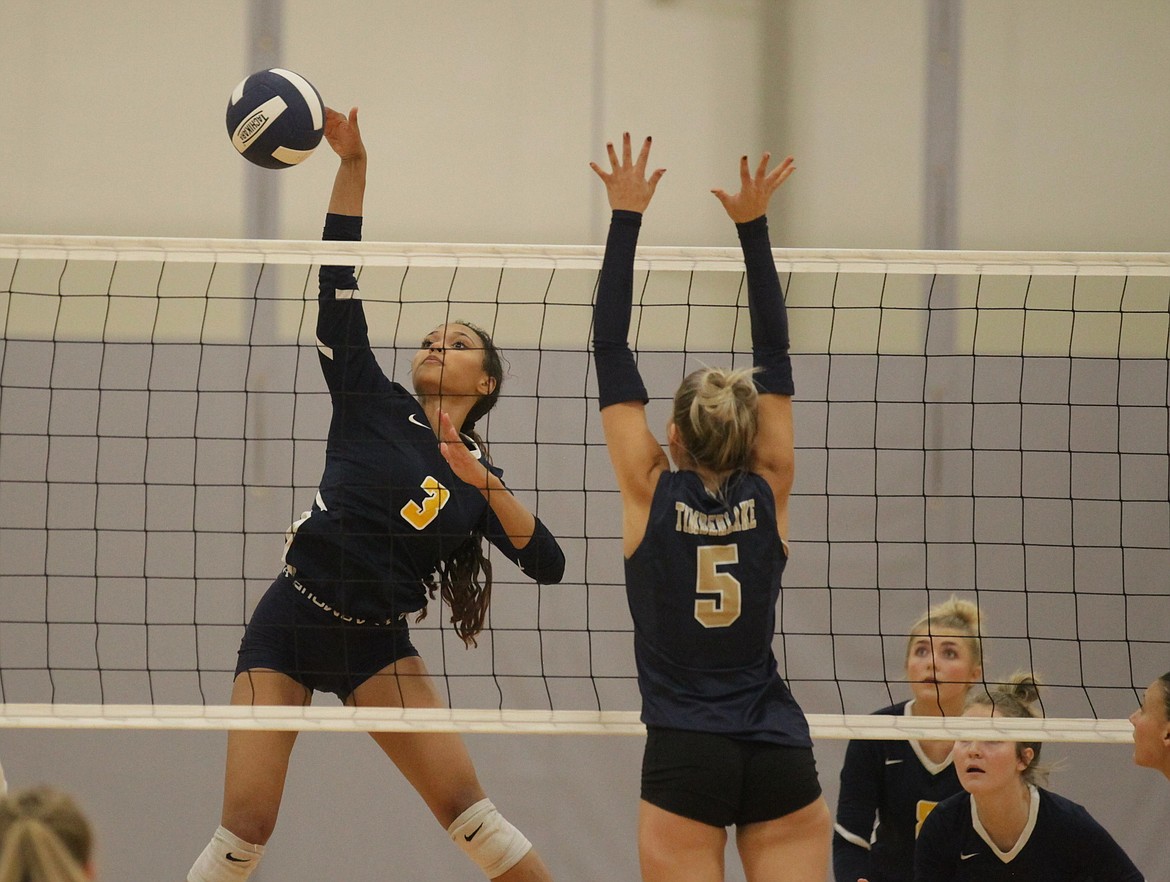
x,y
488,839
227,858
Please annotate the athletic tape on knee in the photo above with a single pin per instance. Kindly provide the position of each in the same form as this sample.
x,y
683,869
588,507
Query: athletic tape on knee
x,y
227,858
488,839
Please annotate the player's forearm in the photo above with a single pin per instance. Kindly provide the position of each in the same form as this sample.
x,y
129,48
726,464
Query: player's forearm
x,y
349,187
617,373
518,522
769,316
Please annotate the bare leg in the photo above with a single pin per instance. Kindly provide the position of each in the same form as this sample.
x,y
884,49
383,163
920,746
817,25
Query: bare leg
x,y
257,762
794,848
672,848
436,764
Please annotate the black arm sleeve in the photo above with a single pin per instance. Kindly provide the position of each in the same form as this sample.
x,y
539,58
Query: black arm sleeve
x,y
343,337
857,806
339,227
618,379
541,560
766,307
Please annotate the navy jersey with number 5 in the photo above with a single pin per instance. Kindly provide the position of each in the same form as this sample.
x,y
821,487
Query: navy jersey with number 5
x,y
702,588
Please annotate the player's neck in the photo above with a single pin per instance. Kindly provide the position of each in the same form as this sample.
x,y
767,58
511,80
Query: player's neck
x,y
1004,813
457,407
932,707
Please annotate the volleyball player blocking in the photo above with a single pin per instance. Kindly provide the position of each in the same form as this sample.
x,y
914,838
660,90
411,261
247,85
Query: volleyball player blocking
x,y
705,547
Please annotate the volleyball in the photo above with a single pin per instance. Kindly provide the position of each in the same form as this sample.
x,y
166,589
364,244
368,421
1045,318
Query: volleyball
x,y
275,118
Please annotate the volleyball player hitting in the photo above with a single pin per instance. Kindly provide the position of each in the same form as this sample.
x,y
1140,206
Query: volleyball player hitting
x,y
704,549
403,503
889,787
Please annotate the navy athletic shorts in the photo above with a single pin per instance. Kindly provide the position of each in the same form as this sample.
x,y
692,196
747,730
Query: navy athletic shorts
x,y
723,781
289,634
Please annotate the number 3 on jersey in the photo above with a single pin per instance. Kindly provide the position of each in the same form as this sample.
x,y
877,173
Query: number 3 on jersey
x,y
721,611
419,514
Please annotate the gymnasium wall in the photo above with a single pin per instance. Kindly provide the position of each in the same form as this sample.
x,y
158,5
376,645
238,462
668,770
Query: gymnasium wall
x,y
480,118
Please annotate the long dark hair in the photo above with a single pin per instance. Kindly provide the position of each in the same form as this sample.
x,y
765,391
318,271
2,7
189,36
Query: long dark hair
x,y
464,578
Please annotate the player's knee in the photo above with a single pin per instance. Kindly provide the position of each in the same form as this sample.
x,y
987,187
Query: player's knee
x,y
249,825
489,839
227,858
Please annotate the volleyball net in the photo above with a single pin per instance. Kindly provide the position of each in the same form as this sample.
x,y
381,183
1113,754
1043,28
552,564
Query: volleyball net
x,y
987,425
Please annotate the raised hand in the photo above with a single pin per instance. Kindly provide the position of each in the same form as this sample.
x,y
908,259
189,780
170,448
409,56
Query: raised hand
x,y
343,134
468,469
626,183
755,190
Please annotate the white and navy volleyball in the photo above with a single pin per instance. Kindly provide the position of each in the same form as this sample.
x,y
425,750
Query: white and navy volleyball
x,y
275,118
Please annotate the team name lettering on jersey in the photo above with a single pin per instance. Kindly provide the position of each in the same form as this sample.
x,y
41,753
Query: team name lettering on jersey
x,y
742,517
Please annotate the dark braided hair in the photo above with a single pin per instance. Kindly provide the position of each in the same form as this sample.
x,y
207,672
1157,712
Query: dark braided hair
x,y
464,578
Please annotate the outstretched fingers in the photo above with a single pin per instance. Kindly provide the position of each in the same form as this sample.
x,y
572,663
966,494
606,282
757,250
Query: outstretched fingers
x,y
755,188
780,173
626,183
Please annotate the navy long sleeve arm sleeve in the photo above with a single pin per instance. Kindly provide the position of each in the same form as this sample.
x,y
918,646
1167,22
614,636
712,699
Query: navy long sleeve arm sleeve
x,y
618,379
769,315
542,559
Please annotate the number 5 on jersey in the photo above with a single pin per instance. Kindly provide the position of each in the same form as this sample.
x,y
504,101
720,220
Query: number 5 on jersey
x,y
419,514
720,611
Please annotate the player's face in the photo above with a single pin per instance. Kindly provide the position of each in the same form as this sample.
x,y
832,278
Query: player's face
x,y
1151,730
989,766
450,362
940,668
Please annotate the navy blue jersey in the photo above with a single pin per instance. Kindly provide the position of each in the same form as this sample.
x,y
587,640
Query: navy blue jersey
x,y
702,588
389,508
1061,843
893,785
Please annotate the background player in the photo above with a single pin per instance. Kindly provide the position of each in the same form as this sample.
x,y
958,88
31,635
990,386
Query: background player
x,y
704,552
44,837
1151,727
1004,825
396,505
889,787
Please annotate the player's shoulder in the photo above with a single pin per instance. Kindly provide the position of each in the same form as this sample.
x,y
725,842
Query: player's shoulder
x,y
894,710
948,824
955,810
1063,811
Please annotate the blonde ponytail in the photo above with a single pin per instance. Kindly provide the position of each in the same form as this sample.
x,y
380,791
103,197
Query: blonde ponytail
x,y
44,837
715,412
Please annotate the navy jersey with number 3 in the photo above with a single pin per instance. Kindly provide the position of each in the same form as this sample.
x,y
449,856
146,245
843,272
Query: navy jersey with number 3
x,y
702,588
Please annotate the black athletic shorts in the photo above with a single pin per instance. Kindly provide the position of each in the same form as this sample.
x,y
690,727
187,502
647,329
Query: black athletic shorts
x,y
288,633
723,781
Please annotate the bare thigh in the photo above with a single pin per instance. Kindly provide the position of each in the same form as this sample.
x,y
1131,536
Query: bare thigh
x,y
672,848
257,762
794,848
436,764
